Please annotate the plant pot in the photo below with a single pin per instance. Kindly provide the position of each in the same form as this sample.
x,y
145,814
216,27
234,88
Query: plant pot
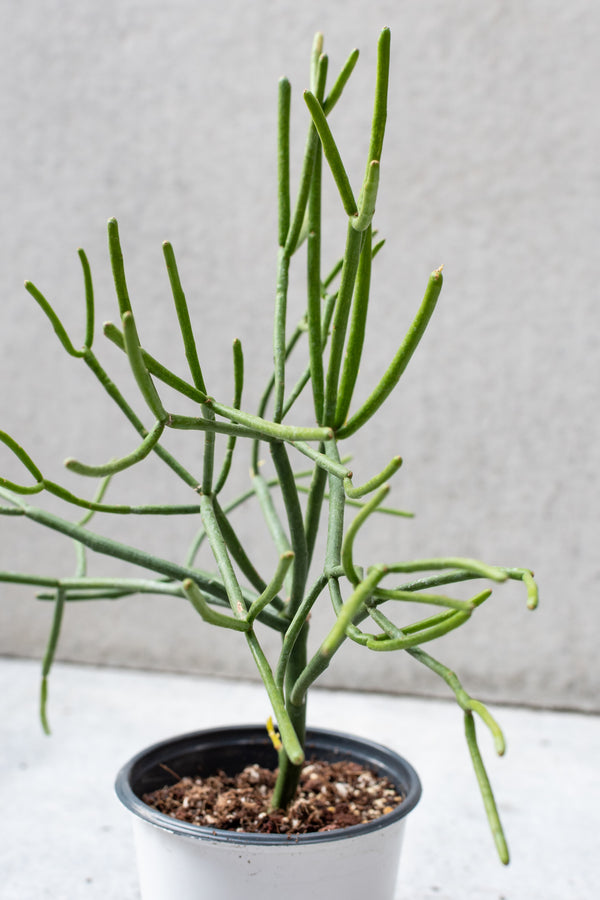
x,y
189,862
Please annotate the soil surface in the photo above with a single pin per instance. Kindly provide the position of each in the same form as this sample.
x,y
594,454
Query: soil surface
x,y
331,795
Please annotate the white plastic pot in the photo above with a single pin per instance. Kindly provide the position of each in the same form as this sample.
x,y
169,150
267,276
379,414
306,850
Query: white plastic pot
x,y
180,861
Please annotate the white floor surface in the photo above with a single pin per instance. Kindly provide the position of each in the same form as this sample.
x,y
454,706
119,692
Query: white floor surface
x,y
64,836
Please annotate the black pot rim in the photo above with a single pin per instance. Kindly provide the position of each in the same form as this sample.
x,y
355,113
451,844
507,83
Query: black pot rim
x,y
331,744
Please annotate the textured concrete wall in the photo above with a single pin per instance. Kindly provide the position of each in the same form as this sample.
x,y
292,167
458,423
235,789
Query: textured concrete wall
x,y
163,115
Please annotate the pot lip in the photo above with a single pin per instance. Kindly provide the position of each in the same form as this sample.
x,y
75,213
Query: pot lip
x,y
374,754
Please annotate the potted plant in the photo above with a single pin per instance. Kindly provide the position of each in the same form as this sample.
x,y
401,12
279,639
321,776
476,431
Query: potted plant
x,y
310,487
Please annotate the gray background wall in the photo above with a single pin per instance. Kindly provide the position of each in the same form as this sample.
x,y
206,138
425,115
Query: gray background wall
x,y
163,115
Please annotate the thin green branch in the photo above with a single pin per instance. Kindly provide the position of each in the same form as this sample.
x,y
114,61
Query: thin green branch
x,y
381,94
352,631
83,589
486,789
289,738
340,322
238,380
139,368
356,334
200,423
270,515
129,585
328,309
264,427
116,257
210,615
430,599
57,325
333,641
355,525
115,335
283,158
368,198
264,400
118,268
313,265
334,271
260,487
122,509
183,317
80,550
59,605
295,627
313,284
279,329
332,154
109,547
423,625
450,622
385,510
191,354
335,519
354,493
219,549
401,359
272,588
350,609
474,566
532,589
319,69
113,392
330,465
305,377
294,235
117,465
29,464
84,596
461,575
33,580
315,59
430,581
89,300
464,700
340,83
96,502
236,549
314,505
296,526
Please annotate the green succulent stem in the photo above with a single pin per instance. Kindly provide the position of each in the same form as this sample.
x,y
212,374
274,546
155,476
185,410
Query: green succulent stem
x,y
400,361
57,325
353,529
119,465
59,605
340,322
283,158
322,658
227,580
486,789
29,464
354,493
356,335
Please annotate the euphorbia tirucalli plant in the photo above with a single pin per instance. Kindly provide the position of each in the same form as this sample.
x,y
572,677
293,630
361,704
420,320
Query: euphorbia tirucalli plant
x,y
367,597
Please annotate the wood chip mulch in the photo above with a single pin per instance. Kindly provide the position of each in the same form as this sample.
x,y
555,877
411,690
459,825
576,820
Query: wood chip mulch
x,y
331,795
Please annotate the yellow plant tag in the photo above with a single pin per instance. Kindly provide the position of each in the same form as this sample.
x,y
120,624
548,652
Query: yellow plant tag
x,y
273,734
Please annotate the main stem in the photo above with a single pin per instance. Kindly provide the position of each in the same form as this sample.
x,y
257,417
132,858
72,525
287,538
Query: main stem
x,y
289,774
303,533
